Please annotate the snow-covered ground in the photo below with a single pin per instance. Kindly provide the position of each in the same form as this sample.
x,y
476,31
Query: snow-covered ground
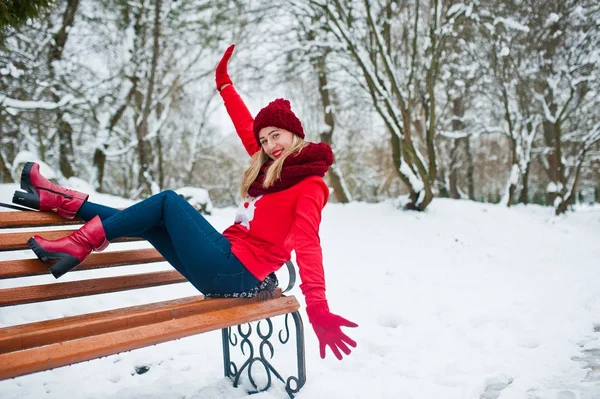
x,y
464,301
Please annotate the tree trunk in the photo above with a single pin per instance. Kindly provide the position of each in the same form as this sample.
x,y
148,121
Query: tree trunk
x,y
5,175
60,38
570,198
457,126
99,153
39,132
396,145
160,160
400,146
511,194
552,160
99,163
430,104
513,177
524,195
569,192
65,131
443,179
453,191
470,168
336,180
145,172
387,97
65,145
511,184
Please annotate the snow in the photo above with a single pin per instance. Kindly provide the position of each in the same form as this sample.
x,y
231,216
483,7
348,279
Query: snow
x,y
552,18
415,182
26,156
465,300
456,8
510,23
198,197
554,187
18,104
11,70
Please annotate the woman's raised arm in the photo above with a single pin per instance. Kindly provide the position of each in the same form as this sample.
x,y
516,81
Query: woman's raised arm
x,y
237,110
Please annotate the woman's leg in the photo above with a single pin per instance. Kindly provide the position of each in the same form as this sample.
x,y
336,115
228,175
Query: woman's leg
x,y
156,236
204,253
90,209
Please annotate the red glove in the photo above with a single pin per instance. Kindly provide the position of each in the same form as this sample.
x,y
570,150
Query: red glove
x,y
327,328
221,75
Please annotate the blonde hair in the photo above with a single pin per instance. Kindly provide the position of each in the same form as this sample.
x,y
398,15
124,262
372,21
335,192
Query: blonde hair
x,y
274,171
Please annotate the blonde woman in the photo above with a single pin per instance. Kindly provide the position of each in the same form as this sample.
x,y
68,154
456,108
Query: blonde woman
x,y
283,194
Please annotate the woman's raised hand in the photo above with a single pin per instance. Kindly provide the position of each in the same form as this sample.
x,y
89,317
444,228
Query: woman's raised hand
x,y
221,76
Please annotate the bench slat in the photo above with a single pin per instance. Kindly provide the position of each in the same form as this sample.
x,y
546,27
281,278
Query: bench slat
x,y
48,292
15,241
47,332
33,219
35,267
60,354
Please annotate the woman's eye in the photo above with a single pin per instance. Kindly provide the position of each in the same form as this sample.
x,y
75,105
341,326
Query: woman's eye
x,y
276,135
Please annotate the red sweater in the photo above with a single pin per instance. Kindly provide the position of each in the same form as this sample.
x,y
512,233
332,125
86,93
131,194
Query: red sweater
x,y
267,228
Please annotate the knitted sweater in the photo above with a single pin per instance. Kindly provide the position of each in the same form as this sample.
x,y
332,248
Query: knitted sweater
x,y
267,228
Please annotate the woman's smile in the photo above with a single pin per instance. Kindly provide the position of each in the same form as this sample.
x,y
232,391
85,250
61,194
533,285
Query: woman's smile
x,y
277,153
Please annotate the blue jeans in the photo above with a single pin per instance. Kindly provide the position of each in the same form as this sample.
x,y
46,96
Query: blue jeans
x,y
182,236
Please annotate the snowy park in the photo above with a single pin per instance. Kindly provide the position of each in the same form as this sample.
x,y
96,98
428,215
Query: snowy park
x,y
466,300
432,168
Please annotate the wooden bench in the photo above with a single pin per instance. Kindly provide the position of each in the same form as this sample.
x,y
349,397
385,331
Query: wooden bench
x,y
44,345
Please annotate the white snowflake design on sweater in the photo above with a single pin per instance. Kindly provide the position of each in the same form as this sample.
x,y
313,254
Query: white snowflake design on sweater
x,y
245,212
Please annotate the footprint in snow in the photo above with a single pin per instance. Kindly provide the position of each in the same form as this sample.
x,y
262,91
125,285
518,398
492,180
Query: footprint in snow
x,y
495,385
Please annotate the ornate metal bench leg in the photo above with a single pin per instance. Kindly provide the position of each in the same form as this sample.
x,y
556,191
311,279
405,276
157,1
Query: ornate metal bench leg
x,y
293,384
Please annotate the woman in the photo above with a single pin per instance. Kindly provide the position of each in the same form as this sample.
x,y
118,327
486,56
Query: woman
x,y
283,195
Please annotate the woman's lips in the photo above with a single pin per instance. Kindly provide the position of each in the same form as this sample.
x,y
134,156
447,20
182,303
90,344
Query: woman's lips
x,y
277,153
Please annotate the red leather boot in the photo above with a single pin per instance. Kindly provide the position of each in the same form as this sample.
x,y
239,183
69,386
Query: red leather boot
x,y
70,251
42,195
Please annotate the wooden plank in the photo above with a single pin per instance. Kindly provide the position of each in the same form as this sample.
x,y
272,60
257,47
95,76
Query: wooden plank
x,y
33,219
34,267
17,241
47,332
48,292
47,357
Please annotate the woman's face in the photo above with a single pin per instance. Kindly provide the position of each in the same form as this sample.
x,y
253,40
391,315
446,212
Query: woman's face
x,y
274,141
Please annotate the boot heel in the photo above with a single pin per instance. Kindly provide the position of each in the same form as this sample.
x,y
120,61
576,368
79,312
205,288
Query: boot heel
x,y
66,264
30,200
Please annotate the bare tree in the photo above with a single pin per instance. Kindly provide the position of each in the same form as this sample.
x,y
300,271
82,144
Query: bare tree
x,y
313,39
586,142
568,79
405,102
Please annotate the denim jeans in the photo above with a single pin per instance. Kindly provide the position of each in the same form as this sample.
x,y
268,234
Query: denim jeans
x,y
182,236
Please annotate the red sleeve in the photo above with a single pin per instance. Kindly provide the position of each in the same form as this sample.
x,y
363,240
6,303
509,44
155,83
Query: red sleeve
x,y
241,118
307,242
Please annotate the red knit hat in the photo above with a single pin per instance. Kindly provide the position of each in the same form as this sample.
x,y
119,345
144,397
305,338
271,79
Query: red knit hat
x,y
278,114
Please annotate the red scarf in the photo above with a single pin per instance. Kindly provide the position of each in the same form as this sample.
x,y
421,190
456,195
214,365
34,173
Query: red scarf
x,y
312,160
